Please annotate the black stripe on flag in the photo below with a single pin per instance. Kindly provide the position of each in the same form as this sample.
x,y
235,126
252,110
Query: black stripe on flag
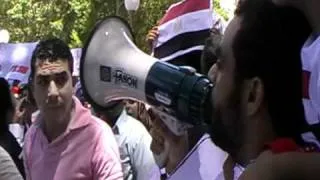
x,y
181,42
189,59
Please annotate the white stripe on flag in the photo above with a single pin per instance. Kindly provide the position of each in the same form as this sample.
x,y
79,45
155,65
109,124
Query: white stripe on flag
x,y
182,52
195,21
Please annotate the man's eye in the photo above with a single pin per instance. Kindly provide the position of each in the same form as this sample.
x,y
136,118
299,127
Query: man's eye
x,y
61,80
43,81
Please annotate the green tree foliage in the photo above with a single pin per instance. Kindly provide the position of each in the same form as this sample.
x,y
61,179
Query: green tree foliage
x,y
218,9
72,20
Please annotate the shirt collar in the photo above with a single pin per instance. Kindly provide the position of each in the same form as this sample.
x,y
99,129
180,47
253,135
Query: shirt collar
x,y
80,117
121,122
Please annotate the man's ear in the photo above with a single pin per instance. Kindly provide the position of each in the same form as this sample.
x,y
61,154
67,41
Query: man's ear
x,y
254,95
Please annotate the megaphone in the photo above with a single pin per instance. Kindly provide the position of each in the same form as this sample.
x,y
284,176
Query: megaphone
x,y
113,68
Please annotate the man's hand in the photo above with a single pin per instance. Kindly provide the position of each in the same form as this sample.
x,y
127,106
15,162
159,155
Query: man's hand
x,y
152,36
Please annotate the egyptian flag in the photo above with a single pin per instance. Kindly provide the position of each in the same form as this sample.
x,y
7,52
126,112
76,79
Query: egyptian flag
x,y
183,30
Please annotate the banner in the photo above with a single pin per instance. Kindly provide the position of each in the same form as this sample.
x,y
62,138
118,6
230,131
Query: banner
x,y
15,61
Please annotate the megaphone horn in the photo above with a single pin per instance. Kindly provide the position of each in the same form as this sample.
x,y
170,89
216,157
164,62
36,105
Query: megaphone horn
x,y
113,68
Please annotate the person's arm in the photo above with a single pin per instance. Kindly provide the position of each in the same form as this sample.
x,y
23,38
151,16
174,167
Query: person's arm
x,y
152,35
142,159
8,169
106,159
291,166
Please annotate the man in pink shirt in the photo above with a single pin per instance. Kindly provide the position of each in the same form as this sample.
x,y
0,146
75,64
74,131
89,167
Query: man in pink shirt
x,y
65,141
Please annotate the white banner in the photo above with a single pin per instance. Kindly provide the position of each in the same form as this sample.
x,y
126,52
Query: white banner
x,y
15,61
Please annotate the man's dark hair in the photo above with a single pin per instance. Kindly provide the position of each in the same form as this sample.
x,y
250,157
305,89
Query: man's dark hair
x,y
191,59
51,50
268,46
112,111
209,56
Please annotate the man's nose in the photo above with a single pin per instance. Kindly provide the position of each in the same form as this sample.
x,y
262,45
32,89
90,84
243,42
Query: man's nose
x,y
53,92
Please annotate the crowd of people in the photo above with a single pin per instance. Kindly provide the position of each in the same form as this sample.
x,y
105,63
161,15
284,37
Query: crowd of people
x,y
264,123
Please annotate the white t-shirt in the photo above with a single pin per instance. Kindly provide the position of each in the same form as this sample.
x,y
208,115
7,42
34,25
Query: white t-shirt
x,y
310,56
237,171
204,162
134,146
17,130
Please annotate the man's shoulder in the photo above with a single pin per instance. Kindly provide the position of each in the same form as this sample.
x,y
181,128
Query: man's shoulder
x,y
99,125
105,143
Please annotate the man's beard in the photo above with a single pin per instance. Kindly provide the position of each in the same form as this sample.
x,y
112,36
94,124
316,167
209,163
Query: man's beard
x,y
226,128
160,159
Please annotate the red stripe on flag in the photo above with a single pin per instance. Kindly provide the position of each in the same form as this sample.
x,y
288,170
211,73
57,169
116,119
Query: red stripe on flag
x,y
305,84
185,7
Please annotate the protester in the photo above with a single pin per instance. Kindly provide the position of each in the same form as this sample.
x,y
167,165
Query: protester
x,y
25,108
257,96
299,165
133,140
7,111
184,155
65,141
310,55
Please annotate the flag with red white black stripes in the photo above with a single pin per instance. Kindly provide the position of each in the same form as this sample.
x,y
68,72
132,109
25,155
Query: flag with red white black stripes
x,y
183,29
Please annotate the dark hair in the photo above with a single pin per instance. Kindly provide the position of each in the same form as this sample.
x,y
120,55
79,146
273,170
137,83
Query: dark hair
x,y
52,50
191,59
6,104
112,112
268,46
209,56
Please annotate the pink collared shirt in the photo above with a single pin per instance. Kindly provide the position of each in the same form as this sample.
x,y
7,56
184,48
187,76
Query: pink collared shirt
x,y
86,151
